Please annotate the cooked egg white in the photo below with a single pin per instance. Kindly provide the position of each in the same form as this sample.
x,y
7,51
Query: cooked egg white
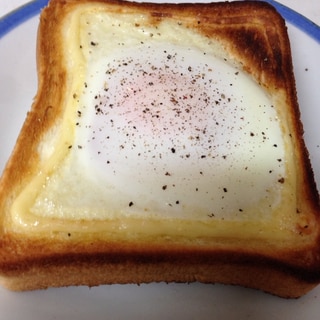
x,y
160,126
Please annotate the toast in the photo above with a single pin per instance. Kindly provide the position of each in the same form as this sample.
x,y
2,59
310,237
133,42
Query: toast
x,y
164,144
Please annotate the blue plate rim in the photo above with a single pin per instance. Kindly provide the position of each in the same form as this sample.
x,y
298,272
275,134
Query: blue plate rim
x,y
23,13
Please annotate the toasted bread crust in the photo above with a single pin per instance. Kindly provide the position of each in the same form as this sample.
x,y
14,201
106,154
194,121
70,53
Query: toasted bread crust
x,y
97,263
28,263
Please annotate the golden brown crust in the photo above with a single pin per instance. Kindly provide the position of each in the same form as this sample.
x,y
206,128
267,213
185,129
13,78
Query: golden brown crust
x,y
256,36
143,265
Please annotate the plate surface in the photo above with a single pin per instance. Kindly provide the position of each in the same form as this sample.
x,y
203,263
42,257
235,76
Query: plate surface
x,y
153,301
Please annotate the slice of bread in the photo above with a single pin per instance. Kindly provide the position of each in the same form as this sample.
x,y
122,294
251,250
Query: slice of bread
x,y
164,144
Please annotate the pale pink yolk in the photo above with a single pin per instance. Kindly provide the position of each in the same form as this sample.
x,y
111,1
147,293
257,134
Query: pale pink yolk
x,y
159,108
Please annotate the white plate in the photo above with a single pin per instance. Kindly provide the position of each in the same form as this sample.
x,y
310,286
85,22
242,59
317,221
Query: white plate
x,y
152,301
